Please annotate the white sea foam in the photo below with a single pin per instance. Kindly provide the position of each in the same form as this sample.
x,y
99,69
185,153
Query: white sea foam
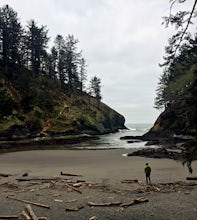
x,y
113,141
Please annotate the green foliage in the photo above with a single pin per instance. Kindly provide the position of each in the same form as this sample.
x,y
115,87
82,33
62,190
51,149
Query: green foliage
x,y
7,104
38,86
11,35
189,153
178,76
95,87
178,89
26,48
182,21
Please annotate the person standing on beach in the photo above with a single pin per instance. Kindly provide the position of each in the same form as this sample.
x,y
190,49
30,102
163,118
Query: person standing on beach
x,y
147,171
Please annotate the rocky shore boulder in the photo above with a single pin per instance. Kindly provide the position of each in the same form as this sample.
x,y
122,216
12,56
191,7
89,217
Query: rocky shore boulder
x,y
156,153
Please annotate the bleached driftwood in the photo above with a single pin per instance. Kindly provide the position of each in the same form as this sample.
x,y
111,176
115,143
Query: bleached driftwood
x,y
39,179
29,202
73,188
31,212
134,202
25,215
73,208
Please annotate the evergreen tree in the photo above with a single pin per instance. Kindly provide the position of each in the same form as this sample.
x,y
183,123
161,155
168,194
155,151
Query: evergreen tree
x,y
179,55
95,87
82,74
181,20
50,63
11,32
72,62
178,75
36,44
60,55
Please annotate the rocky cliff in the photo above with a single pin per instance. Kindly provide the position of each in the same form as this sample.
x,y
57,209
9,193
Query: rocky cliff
x,y
172,122
38,110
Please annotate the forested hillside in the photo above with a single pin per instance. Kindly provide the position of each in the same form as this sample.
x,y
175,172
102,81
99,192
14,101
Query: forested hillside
x,y
44,91
177,88
177,91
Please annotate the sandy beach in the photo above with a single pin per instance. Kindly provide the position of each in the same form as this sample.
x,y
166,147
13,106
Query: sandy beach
x,y
107,168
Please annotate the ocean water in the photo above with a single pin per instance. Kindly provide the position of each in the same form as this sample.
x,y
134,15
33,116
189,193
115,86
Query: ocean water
x,y
112,140
107,141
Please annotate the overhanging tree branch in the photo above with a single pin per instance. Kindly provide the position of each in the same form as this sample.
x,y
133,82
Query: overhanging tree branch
x,y
188,22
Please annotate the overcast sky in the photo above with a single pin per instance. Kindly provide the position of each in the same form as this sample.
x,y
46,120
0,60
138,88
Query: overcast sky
x,y
122,41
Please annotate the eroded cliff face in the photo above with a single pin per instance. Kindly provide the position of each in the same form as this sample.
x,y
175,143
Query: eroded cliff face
x,y
171,123
54,112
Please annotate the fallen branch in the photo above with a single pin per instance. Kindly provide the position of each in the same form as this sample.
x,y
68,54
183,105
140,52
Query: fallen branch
x,y
73,188
39,179
31,212
191,178
69,174
25,215
9,217
73,208
179,183
58,200
104,204
129,181
135,202
70,201
29,202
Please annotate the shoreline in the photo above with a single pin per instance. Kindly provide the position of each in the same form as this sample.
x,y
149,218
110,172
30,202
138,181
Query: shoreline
x,y
93,164
102,171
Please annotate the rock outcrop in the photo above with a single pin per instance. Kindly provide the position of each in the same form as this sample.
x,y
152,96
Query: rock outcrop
x,y
54,112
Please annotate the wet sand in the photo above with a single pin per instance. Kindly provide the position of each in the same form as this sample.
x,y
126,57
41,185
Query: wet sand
x,y
93,165
105,167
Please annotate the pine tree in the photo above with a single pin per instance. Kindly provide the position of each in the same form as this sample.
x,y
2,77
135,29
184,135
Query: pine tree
x,y
50,63
11,33
82,74
59,50
36,44
72,62
95,87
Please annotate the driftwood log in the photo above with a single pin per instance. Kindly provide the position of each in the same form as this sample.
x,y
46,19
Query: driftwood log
x,y
73,208
73,188
39,179
69,174
134,202
5,175
25,215
191,178
129,181
9,217
29,202
31,212
104,204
